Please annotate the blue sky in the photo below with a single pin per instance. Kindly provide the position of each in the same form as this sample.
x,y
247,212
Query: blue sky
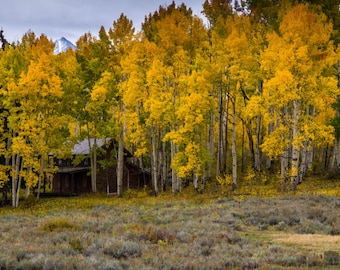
x,y
71,19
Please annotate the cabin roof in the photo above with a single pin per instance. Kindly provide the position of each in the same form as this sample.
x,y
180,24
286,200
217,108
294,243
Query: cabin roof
x,y
83,147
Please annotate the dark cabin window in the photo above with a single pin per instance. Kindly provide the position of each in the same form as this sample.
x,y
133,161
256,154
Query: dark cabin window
x,y
60,162
86,162
68,162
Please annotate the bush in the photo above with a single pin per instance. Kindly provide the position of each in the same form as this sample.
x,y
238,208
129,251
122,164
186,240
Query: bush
x,y
155,234
123,249
332,258
59,224
76,245
316,214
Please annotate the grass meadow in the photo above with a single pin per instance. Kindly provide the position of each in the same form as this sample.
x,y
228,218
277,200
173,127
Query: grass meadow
x,y
254,228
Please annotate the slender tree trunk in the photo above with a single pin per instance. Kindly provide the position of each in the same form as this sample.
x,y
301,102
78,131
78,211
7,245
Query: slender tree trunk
x,y
233,150
16,179
257,158
164,165
93,159
210,144
303,164
284,161
120,163
173,173
257,164
333,160
154,164
295,148
303,154
270,130
41,174
226,130
249,130
28,192
219,169
195,182
19,183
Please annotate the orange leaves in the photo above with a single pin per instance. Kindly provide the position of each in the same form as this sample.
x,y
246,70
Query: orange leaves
x,y
302,26
281,89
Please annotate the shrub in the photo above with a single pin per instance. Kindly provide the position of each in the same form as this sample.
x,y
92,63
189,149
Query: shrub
x,y
155,234
334,231
316,214
59,224
123,249
76,245
250,263
205,245
332,257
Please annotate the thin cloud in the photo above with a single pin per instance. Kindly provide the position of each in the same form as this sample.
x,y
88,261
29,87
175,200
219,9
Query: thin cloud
x,y
71,19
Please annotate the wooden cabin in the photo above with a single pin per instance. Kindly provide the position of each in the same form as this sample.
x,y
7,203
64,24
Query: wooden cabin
x,y
71,179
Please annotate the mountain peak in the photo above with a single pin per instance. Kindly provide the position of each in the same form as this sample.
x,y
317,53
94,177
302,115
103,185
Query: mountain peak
x,y
62,45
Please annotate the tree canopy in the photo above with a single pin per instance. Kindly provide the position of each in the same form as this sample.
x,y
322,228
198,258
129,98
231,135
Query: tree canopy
x,y
256,88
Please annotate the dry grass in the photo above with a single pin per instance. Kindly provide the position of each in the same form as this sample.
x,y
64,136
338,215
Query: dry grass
x,y
316,242
186,231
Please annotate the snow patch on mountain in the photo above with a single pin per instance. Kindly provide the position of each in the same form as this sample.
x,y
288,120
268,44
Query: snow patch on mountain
x,y
62,45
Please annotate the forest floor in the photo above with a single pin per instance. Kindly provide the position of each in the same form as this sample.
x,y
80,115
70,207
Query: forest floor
x,y
184,231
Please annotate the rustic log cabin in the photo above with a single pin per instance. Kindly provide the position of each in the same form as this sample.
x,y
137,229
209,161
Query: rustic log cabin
x,y
76,179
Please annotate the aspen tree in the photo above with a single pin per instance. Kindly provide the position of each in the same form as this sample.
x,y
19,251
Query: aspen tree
x,y
35,96
178,34
296,60
121,36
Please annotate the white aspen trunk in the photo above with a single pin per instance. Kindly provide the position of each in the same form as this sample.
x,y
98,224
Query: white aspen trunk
x,y
310,151
210,143
154,161
306,154
295,148
233,149
303,164
41,174
164,167
195,182
15,178
179,184
93,159
120,163
284,159
268,159
219,134
270,130
94,166
310,155
173,173
338,156
284,169
257,163
19,183
333,159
